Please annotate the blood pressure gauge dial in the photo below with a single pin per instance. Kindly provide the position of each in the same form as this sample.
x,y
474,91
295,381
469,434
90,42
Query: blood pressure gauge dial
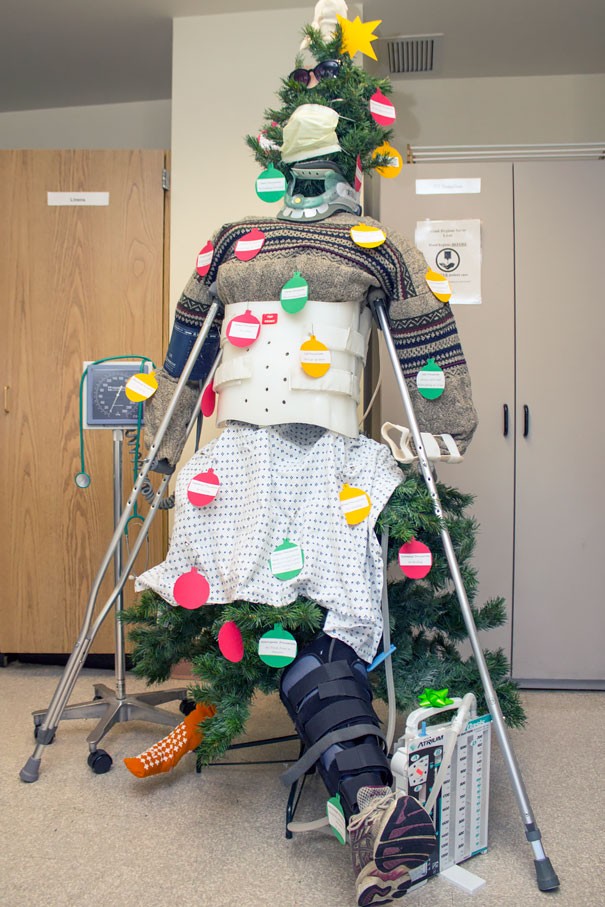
x,y
107,405
104,403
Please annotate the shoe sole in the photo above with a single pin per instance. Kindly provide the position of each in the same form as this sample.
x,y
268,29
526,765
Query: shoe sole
x,y
407,839
379,888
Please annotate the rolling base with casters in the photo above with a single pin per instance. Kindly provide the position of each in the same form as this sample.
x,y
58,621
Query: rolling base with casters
x,y
109,707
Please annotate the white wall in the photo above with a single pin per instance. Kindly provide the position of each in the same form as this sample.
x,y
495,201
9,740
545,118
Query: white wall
x,y
226,71
521,110
140,124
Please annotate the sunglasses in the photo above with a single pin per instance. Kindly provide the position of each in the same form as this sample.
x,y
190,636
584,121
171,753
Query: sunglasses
x,y
329,69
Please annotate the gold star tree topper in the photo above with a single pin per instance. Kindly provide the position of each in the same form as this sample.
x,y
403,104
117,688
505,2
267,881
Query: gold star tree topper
x,y
357,36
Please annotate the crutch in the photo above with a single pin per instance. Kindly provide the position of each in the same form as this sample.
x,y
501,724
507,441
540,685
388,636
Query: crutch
x,y
546,877
118,707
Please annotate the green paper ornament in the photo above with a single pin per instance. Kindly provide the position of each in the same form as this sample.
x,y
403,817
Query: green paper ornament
x,y
271,184
287,560
294,294
277,648
430,380
336,819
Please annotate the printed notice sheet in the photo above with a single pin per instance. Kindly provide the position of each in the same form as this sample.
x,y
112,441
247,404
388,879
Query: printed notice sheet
x,y
453,248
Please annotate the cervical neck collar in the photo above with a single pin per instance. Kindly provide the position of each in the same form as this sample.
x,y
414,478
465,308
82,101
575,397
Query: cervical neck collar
x,y
337,195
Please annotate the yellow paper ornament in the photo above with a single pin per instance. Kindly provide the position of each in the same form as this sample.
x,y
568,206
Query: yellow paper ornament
x,y
439,285
367,237
355,503
315,357
393,168
141,387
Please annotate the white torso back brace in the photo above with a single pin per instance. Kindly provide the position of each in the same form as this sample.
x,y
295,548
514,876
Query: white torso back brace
x,y
265,384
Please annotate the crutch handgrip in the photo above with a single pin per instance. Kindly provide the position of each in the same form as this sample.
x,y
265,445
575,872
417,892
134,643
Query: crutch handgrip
x,y
437,447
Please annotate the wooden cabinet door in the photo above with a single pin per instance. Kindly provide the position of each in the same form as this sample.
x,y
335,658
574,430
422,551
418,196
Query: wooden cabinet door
x,y
559,628
487,335
76,283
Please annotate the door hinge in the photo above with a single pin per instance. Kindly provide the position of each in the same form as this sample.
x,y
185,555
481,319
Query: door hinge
x,y
166,179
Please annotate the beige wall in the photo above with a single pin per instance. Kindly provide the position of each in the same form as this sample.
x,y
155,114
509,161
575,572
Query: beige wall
x,y
521,110
226,70
140,124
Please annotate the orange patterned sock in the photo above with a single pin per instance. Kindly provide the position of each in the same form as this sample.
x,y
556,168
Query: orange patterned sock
x,y
166,753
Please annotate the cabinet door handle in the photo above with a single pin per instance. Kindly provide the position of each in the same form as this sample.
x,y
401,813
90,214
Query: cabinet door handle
x,y
505,420
6,390
525,421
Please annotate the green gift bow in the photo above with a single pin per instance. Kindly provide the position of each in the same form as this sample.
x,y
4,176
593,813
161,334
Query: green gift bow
x,y
434,699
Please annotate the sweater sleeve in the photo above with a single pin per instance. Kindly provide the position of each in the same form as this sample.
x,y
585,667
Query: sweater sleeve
x,y
191,313
424,328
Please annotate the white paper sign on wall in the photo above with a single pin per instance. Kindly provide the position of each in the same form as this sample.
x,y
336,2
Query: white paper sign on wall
x,y
453,248
448,187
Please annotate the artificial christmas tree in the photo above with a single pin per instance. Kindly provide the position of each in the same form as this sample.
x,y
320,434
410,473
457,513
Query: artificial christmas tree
x,y
426,627
349,93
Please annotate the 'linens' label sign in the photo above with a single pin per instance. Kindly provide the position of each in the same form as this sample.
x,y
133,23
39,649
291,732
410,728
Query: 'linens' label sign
x,y
94,199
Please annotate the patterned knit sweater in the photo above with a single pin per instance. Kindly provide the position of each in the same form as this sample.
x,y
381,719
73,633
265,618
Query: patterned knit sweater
x,y
337,270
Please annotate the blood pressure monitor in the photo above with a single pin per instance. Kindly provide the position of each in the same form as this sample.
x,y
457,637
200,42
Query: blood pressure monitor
x,y
107,405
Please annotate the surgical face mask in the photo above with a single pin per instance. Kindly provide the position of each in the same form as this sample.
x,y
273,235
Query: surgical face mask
x,y
309,133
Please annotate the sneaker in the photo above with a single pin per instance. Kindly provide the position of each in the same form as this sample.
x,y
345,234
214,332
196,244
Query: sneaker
x,y
389,836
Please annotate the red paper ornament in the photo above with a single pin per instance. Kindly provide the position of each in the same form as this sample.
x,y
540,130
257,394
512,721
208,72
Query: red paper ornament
x,y
230,641
249,245
208,400
204,259
382,109
243,330
203,488
191,590
415,559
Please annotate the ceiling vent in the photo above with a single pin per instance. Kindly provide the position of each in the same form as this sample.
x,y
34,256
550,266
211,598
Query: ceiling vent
x,y
412,55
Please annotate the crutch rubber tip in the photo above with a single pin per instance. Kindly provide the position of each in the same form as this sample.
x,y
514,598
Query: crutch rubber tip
x,y
546,876
30,770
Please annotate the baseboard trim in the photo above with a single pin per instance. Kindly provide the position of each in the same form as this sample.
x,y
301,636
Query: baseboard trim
x,y
99,661
558,684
